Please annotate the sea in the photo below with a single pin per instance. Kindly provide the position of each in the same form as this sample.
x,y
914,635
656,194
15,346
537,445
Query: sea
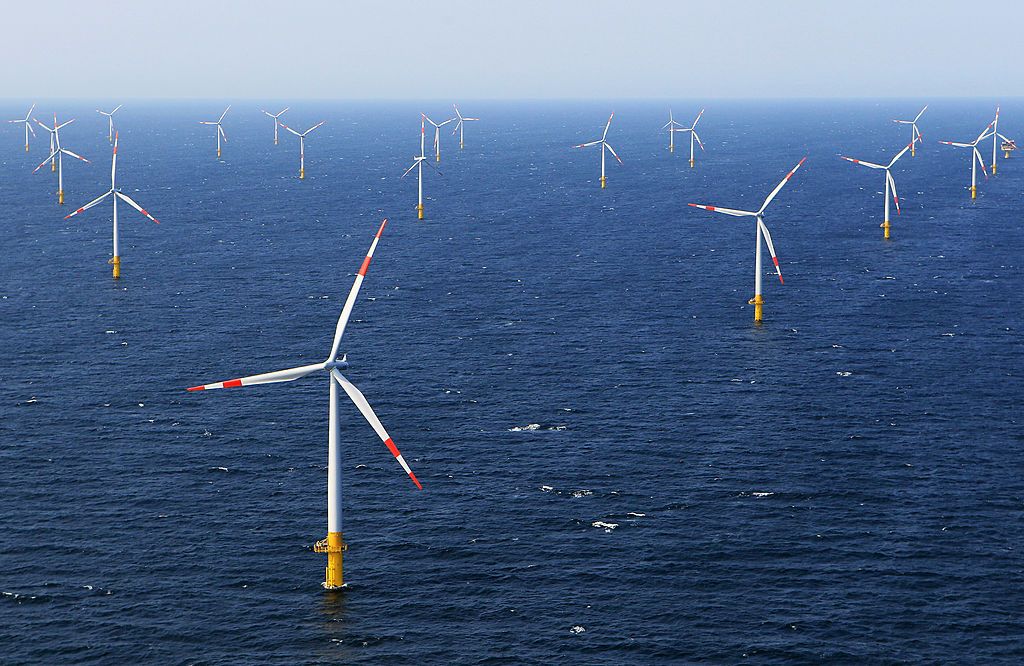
x,y
618,466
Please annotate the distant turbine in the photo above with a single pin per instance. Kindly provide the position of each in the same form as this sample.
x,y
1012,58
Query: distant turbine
x,y
758,301
976,158
604,146
1008,144
459,126
110,121
115,193
437,135
692,129
276,121
58,155
333,545
418,162
890,183
27,121
672,125
915,134
302,145
220,129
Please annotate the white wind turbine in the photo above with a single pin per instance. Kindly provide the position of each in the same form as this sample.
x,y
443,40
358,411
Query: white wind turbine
x,y
418,162
459,126
437,135
302,145
758,300
976,158
996,136
110,121
672,125
276,120
27,122
604,146
890,183
334,544
915,134
58,155
692,129
220,128
114,193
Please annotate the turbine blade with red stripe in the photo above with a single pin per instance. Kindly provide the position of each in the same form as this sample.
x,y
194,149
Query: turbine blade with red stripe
x,y
609,147
900,154
771,248
727,211
52,155
89,205
346,311
870,165
892,186
782,184
128,200
364,408
75,155
609,124
266,378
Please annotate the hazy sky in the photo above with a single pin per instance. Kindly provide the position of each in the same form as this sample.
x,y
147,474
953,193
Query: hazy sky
x,y
456,49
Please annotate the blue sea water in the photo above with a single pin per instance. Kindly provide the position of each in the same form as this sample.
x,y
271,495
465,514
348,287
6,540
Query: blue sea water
x,y
618,467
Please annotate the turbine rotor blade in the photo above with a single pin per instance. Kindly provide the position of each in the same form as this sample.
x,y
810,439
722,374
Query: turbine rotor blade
x,y
346,310
90,204
266,378
778,188
771,248
128,200
727,211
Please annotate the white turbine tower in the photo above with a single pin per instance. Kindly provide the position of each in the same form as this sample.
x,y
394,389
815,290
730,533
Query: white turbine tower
x,y
758,300
58,155
220,128
437,135
110,121
334,544
276,120
418,162
890,183
114,193
672,125
915,134
692,129
27,122
302,145
459,126
976,158
604,146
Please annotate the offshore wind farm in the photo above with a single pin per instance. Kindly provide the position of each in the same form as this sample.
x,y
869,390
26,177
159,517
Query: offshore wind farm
x,y
615,451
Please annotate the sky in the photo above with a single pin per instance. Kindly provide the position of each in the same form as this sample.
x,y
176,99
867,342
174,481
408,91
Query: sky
x,y
516,49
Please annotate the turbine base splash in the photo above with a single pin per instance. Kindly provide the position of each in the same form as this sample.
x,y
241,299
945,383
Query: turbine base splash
x,y
335,547
758,302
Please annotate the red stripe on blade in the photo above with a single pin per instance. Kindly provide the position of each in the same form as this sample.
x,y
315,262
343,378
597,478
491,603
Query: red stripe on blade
x,y
391,447
415,480
234,383
382,225
196,388
365,267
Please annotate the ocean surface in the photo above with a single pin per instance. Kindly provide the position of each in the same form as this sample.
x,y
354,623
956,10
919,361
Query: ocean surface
x,y
618,466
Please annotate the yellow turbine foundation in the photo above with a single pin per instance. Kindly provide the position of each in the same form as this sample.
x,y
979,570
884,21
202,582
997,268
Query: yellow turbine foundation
x,y
302,174
913,153
603,181
671,149
116,263
691,164
758,303
885,229
993,168
218,152
1006,153
335,547
974,192
419,211
26,150
60,197
53,166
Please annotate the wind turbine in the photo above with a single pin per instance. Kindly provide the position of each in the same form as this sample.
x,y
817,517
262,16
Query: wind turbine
x,y
418,162
276,121
692,129
58,155
302,145
437,135
459,126
27,121
334,544
890,183
220,129
915,134
604,146
976,158
110,121
114,193
672,125
53,161
758,300
996,136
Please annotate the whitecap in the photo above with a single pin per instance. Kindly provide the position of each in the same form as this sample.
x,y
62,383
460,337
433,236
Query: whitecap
x,y
607,527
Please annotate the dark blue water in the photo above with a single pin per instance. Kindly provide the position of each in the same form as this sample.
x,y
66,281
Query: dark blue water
x,y
618,467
